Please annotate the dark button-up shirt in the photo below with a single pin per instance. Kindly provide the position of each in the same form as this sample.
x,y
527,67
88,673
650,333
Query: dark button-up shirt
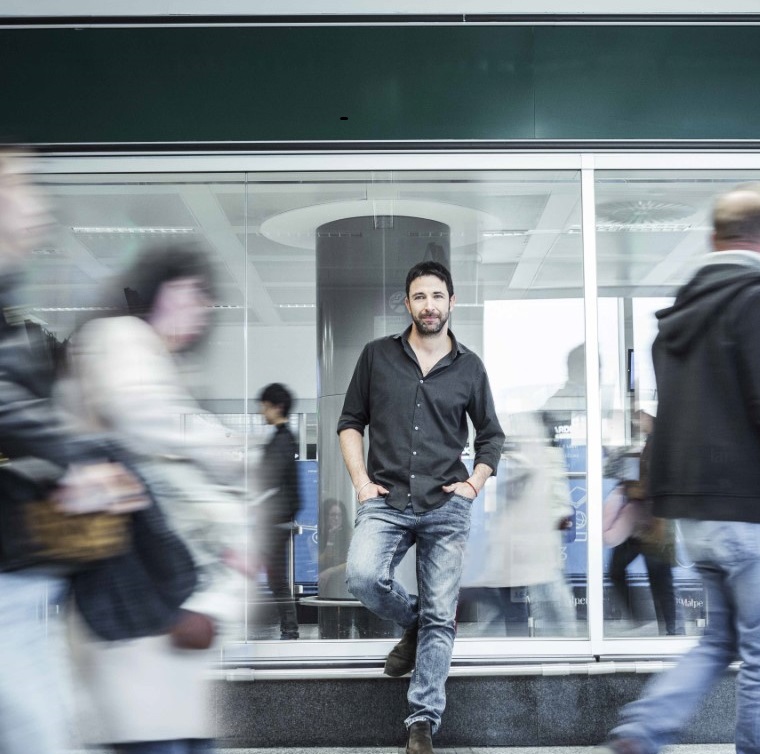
x,y
418,424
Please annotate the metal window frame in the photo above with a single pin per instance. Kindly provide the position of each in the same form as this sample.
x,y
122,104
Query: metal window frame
x,y
310,656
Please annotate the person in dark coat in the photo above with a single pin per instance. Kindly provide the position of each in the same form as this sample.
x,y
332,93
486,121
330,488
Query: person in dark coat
x,y
279,476
705,471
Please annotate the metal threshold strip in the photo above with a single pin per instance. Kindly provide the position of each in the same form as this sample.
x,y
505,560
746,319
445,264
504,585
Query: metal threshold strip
x,y
374,18
457,671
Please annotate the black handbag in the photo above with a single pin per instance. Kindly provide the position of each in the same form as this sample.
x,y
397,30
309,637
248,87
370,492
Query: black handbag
x,y
140,592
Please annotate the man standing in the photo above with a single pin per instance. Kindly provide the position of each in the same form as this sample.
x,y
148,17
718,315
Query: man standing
x,y
415,391
280,475
705,471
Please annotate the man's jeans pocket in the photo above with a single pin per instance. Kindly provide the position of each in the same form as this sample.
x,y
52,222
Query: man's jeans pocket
x,y
461,499
371,503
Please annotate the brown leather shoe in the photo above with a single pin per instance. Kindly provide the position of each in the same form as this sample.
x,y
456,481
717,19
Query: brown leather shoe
x,y
401,658
420,739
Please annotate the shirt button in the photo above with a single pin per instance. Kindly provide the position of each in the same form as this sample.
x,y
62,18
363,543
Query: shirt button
x,y
422,382
416,428
408,494
412,476
418,405
414,452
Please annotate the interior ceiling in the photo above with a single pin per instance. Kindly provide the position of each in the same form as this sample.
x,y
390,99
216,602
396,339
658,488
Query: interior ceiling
x,y
526,240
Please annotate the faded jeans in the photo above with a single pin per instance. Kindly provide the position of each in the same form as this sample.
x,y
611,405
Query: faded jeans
x,y
727,554
32,716
381,539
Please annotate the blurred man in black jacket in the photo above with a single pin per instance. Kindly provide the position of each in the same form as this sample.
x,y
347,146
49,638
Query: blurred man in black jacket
x,y
279,474
705,471
38,453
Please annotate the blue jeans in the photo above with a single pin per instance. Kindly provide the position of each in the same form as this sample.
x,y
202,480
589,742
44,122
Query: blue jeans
x,y
381,539
31,708
727,554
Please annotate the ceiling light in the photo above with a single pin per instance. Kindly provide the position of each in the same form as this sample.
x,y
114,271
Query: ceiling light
x,y
133,231
74,309
643,211
649,228
503,233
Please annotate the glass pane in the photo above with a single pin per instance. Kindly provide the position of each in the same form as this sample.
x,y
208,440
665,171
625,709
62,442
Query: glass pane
x,y
185,403
651,227
327,259
306,286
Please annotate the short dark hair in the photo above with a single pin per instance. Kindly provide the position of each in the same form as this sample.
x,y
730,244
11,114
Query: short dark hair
x,y
278,395
421,269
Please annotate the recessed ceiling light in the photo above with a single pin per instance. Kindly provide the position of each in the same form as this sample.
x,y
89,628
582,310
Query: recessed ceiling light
x,y
649,228
134,231
503,233
74,309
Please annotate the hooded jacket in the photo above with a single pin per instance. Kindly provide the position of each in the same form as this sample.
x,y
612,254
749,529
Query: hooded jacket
x,y
705,461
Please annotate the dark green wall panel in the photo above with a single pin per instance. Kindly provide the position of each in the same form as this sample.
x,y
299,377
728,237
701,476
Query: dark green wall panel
x,y
259,84
647,83
502,83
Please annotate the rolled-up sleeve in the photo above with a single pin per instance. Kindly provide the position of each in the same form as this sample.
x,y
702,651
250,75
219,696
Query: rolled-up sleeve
x,y
356,412
489,436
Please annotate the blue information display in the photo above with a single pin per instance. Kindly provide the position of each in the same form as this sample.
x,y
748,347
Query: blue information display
x,y
306,544
574,544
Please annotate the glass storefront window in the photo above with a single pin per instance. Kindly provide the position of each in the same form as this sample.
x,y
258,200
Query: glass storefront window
x,y
310,267
652,227
103,223
310,262
333,251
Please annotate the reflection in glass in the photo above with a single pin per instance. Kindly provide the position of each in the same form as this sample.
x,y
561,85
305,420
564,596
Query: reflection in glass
x,y
651,227
516,575
631,530
534,518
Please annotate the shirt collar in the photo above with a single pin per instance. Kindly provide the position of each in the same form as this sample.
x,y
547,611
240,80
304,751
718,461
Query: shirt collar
x,y
456,345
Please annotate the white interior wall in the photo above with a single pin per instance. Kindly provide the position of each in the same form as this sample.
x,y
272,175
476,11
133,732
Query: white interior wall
x,y
286,354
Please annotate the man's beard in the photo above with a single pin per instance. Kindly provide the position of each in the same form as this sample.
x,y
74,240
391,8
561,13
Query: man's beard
x,y
430,328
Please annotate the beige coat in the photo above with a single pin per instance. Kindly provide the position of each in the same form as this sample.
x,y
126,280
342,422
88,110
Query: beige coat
x,y
124,380
523,544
